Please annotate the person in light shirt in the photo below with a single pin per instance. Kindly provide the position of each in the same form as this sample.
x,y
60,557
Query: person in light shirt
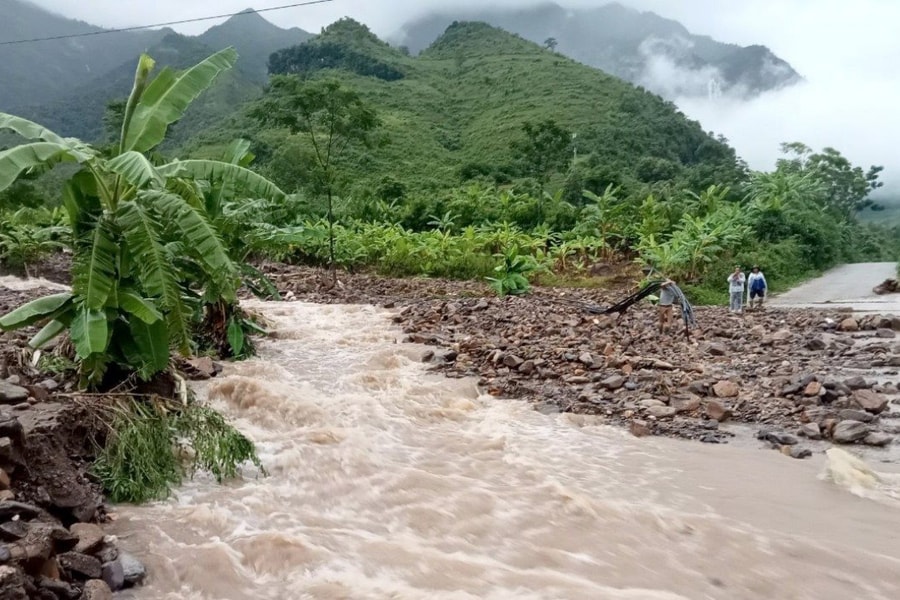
x,y
736,283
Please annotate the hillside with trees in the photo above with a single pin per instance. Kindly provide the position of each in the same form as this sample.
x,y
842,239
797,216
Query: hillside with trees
x,y
456,114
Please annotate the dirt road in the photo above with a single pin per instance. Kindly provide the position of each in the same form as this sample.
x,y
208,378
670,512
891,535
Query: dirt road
x,y
845,286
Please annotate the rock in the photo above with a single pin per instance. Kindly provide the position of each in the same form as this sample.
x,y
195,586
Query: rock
x,y
59,589
813,388
114,575
96,589
816,344
758,331
849,325
13,530
717,349
847,432
80,566
662,412
613,383
12,584
777,437
11,509
527,367
586,359
11,393
726,389
870,401
650,403
811,431
782,335
427,356
512,361
717,411
849,414
798,452
90,537
856,383
886,333
49,384
133,568
639,429
878,439
698,387
685,404
4,480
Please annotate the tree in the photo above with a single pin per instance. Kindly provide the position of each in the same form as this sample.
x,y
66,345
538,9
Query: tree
x,y
846,188
544,151
550,44
331,118
146,259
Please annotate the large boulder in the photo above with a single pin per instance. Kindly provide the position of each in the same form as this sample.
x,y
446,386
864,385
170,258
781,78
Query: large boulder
x,y
870,401
848,432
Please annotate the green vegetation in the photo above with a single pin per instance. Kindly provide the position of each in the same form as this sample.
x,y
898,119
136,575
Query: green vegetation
x,y
150,273
137,462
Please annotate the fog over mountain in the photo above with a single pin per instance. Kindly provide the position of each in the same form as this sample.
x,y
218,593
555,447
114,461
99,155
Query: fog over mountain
x,y
846,51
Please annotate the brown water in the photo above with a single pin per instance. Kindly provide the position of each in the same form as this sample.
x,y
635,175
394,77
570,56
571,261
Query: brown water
x,y
390,483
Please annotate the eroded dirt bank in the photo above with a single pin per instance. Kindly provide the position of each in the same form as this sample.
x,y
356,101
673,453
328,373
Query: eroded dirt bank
x,y
51,546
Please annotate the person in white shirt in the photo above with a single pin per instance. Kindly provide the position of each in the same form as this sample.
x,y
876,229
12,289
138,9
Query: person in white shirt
x,y
736,290
756,287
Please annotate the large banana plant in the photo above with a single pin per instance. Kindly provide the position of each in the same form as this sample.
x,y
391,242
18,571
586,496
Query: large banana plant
x,y
147,257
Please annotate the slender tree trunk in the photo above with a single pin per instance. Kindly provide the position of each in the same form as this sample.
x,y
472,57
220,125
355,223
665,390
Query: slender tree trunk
x,y
331,261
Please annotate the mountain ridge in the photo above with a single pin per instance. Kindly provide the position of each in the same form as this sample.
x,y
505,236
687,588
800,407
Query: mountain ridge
x,y
641,47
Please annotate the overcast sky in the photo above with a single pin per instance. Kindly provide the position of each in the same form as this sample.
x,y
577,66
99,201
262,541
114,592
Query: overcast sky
x,y
848,50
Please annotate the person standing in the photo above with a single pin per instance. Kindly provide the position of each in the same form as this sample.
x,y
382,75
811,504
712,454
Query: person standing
x,y
736,283
756,287
666,305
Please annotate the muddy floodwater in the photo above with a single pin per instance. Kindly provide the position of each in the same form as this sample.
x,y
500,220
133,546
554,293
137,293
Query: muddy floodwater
x,y
387,482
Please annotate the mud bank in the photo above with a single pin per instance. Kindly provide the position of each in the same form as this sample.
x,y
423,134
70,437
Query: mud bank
x,y
51,546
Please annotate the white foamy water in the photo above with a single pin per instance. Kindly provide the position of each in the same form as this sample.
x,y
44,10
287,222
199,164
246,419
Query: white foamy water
x,y
390,483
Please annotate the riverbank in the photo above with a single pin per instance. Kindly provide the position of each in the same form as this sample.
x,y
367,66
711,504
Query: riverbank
x,y
797,376
51,544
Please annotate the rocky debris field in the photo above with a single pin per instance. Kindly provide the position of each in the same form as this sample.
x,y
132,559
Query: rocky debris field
x,y
51,546
795,375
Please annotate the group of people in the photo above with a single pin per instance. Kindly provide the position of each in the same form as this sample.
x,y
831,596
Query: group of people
x,y
754,287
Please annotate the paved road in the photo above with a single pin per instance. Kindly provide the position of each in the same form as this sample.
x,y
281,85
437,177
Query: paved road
x,y
845,286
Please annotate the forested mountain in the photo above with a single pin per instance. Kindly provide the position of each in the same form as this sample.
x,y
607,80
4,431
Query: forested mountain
x,y
641,47
77,77
456,111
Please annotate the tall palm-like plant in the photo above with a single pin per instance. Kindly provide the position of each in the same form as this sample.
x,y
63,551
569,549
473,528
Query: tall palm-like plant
x,y
146,256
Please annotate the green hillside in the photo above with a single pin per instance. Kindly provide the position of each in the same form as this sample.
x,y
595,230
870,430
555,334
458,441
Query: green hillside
x,y
455,111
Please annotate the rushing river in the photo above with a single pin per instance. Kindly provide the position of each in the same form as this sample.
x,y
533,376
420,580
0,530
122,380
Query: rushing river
x,y
386,482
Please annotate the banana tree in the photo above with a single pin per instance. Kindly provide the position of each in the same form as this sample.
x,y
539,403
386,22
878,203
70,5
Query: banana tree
x,y
147,258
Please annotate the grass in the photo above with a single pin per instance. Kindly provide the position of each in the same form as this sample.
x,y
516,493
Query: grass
x,y
150,448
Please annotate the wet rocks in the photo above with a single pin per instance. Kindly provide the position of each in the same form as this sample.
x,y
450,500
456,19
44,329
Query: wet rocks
x,y
848,325
878,439
11,393
811,431
133,569
726,389
661,412
89,535
870,401
777,437
717,411
848,432
96,589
